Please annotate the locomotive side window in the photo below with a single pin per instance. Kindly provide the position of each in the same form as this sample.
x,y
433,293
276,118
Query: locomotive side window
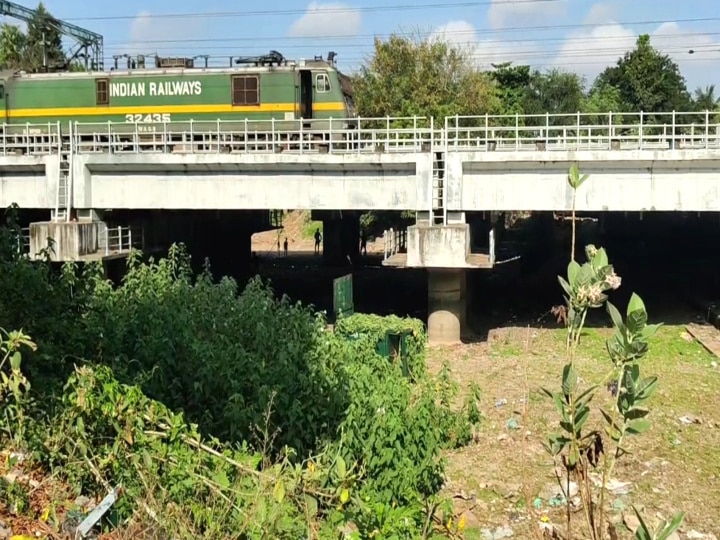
x,y
322,83
102,96
246,90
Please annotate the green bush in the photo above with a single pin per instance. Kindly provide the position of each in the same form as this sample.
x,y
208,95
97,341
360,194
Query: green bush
x,y
377,329
293,428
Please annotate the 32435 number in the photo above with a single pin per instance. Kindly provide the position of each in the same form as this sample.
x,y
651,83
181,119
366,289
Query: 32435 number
x,y
147,118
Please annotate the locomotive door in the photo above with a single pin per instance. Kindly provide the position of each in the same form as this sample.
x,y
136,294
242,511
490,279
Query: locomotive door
x,y
306,94
3,101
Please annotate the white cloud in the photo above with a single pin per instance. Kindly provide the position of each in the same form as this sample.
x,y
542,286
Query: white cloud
x,y
590,50
326,20
154,34
503,13
601,13
676,42
485,52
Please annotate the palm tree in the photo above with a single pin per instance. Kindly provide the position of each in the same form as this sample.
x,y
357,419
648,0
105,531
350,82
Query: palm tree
x,y
705,99
12,47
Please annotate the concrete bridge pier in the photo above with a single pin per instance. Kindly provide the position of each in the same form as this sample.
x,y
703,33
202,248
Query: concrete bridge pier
x,y
341,236
447,305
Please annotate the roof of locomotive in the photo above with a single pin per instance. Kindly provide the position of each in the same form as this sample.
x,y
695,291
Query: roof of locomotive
x,y
154,72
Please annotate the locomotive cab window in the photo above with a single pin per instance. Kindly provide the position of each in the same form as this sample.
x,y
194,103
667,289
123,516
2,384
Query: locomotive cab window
x,y
246,90
102,94
322,83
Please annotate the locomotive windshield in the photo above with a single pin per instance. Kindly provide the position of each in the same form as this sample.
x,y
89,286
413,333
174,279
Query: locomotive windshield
x,y
349,105
347,90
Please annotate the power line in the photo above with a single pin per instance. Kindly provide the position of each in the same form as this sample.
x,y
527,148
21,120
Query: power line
x,y
519,57
282,12
518,53
230,41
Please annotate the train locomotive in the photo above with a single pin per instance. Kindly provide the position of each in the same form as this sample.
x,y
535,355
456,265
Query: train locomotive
x,y
265,92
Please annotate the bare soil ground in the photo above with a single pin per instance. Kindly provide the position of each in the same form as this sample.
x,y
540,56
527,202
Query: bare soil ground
x,y
295,227
673,467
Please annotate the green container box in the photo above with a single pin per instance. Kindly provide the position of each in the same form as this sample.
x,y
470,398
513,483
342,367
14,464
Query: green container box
x,y
393,346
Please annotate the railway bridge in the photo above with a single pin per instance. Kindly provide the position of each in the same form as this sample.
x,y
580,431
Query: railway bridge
x,y
226,178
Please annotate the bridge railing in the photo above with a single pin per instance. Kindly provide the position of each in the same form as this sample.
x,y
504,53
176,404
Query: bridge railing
x,y
577,131
120,239
22,240
350,135
395,242
29,139
584,131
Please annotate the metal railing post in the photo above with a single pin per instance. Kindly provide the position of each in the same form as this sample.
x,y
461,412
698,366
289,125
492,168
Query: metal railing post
x,y
491,240
707,129
640,133
272,135
577,133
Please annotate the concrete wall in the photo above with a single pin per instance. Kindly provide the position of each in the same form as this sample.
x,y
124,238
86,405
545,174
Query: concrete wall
x,y
683,180
72,240
24,181
253,182
438,247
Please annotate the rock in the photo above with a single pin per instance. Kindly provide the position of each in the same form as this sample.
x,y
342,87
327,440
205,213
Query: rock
x,y
631,522
553,491
5,531
497,534
82,502
695,535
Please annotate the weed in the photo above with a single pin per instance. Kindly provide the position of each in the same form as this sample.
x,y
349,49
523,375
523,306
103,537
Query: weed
x,y
581,449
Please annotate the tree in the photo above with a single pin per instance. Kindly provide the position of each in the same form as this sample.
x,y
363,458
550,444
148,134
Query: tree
x,y
647,80
555,92
44,42
39,49
409,77
706,100
12,47
512,83
600,101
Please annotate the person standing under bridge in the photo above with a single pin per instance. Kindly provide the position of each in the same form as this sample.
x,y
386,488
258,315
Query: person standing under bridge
x,y
363,243
318,238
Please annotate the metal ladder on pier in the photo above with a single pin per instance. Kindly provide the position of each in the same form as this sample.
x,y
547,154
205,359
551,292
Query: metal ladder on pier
x,y
439,213
438,207
63,196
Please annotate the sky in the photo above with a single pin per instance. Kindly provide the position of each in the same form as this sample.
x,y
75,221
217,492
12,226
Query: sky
x,y
579,35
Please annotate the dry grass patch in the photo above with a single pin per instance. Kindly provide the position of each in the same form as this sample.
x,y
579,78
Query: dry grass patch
x,y
673,467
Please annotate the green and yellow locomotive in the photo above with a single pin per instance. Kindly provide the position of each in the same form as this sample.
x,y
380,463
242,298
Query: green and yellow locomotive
x,y
266,88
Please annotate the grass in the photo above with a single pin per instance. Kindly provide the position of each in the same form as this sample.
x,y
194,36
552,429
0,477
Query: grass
x,y
673,467
309,228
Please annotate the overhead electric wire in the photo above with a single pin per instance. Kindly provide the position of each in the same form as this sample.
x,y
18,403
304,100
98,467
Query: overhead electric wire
x,y
149,46
481,31
151,42
338,10
518,54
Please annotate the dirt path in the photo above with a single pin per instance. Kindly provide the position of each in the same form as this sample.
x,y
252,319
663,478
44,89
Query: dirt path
x,y
295,223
